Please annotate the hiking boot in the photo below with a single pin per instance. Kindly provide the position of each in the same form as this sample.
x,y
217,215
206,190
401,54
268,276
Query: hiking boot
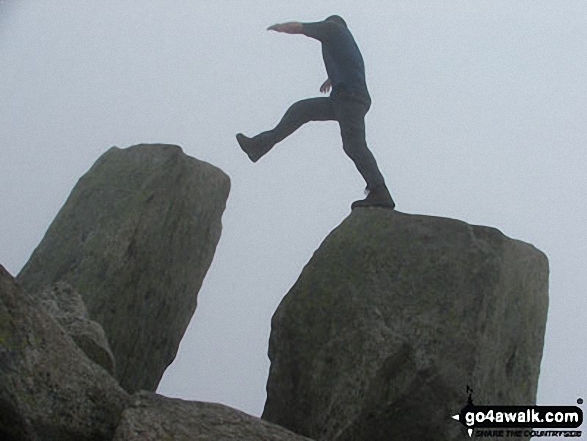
x,y
378,197
254,149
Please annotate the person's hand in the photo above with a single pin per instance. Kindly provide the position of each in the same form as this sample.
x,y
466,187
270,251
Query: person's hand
x,y
325,88
292,27
278,27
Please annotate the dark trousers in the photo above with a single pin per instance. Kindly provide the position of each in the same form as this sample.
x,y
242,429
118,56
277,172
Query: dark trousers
x,y
349,110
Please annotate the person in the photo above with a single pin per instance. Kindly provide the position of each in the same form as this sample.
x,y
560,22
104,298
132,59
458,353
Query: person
x,y
348,104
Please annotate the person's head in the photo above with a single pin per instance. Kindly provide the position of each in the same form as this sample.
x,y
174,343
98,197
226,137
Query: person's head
x,y
337,19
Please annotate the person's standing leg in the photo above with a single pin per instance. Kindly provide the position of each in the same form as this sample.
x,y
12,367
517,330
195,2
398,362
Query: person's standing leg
x,y
350,112
312,109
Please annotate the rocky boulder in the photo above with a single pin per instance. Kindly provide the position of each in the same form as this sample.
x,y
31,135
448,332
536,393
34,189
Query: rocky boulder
x,y
391,320
66,306
136,238
49,390
153,417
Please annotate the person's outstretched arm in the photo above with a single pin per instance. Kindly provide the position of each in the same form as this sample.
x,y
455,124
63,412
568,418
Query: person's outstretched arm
x,y
292,27
322,30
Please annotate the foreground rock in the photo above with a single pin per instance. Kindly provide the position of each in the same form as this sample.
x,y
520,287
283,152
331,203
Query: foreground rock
x,y
49,390
136,238
153,417
66,306
393,317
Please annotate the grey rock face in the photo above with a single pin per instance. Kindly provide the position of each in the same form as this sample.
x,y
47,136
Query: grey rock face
x,y
65,305
136,238
393,317
153,418
49,390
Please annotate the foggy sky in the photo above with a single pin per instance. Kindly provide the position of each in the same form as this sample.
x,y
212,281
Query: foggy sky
x,y
478,114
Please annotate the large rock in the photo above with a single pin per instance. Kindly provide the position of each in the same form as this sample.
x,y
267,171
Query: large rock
x,y
136,238
391,320
153,418
49,390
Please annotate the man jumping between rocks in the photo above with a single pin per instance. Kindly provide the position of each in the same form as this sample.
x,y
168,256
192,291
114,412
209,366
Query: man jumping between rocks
x,y
348,104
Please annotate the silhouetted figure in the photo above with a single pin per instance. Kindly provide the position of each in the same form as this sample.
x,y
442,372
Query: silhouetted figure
x,y
348,104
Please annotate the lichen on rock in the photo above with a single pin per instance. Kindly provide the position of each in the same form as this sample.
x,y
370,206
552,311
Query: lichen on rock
x,y
49,389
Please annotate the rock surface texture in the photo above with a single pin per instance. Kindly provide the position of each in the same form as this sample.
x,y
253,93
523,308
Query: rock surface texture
x,y
49,389
66,306
153,418
136,238
393,317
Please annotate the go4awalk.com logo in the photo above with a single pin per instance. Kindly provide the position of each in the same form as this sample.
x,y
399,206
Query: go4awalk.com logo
x,y
516,421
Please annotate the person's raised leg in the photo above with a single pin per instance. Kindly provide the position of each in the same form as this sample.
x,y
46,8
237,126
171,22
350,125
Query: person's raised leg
x,y
299,113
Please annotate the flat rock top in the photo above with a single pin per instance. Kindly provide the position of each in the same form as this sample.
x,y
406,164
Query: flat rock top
x,y
154,417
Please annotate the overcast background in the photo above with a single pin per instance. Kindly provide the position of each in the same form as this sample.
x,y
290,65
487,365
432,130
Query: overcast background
x,y
479,114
